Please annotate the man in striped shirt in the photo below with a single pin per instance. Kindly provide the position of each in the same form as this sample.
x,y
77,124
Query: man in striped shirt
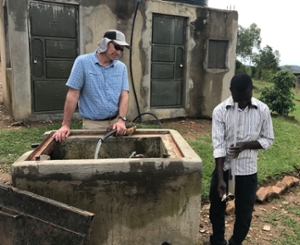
x,y
254,131
99,84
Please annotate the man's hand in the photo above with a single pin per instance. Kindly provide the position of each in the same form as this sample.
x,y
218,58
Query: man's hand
x,y
222,188
234,151
120,126
61,134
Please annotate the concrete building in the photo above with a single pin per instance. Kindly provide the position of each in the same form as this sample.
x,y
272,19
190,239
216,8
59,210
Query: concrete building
x,y
297,84
182,57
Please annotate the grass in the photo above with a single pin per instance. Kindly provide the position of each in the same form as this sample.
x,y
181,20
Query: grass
x,y
203,147
290,232
14,143
273,219
289,227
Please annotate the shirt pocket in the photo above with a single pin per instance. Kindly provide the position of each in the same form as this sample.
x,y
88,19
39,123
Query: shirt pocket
x,y
255,130
258,126
116,81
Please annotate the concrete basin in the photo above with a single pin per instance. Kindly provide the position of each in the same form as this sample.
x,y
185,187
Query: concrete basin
x,y
152,197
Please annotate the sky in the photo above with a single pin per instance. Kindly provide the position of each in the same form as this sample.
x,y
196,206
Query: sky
x,y
277,19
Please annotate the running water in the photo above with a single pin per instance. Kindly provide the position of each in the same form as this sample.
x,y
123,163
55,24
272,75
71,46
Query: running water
x,y
98,148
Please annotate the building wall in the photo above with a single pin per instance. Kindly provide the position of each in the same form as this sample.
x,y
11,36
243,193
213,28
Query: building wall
x,y
204,87
15,59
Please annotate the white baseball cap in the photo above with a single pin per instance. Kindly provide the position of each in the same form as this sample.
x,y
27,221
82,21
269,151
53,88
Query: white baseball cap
x,y
112,35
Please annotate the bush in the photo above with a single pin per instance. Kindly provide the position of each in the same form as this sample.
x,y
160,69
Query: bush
x,y
279,97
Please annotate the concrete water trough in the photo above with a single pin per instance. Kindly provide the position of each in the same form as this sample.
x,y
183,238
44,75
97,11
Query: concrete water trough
x,y
143,189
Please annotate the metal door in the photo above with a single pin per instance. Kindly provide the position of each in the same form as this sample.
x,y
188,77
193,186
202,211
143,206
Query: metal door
x,y
53,47
167,68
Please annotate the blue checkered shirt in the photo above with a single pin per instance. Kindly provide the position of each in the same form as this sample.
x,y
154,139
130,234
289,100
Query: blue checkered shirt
x,y
100,87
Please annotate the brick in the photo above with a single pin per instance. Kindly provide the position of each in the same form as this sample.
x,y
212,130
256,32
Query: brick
x,y
296,180
270,193
282,185
262,194
288,180
277,190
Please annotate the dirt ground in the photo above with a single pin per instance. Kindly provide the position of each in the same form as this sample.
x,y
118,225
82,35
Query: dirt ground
x,y
262,230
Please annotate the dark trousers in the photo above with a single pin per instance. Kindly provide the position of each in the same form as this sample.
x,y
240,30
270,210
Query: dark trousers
x,y
245,196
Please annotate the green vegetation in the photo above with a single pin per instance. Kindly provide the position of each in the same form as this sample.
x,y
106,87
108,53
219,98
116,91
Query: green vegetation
x,y
273,219
257,62
280,97
247,40
14,143
266,62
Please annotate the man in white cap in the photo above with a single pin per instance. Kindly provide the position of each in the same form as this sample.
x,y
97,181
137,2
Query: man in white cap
x,y
98,83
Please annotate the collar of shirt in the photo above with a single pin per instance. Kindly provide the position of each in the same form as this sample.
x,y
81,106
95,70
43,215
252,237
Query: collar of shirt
x,y
230,103
96,61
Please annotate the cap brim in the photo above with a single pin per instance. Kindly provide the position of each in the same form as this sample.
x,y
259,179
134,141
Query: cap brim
x,y
122,43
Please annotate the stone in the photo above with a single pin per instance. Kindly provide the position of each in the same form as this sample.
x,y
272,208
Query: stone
x,y
5,178
230,207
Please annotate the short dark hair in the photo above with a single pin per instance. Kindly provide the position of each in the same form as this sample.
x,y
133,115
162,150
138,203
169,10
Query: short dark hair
x,y
241,82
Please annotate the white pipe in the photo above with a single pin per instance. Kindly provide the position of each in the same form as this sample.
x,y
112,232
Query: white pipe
x,y
235,118
235,122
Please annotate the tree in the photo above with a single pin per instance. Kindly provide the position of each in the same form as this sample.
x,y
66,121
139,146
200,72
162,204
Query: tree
x,y
267,59
247,40
267,62
279,97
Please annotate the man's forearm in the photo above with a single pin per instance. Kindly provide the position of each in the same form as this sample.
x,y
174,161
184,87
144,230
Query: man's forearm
x,y
252,145
68,113
70,106
123,103
219,167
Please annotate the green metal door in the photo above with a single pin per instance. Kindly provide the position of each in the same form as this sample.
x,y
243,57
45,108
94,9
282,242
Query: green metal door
x,y
53,47
167,67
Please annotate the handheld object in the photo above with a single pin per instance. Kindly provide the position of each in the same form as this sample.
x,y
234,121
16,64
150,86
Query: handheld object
x,y
231,178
